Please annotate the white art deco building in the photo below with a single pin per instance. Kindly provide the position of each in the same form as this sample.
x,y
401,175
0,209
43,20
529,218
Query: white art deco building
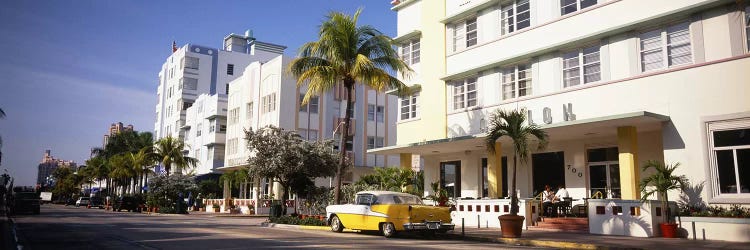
x,y
614,82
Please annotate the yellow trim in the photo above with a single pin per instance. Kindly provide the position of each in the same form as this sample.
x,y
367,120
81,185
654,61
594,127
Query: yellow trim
x,y
405,161
495,172
627,145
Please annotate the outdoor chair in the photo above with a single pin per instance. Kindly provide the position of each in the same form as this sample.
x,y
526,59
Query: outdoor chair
x,y
565,206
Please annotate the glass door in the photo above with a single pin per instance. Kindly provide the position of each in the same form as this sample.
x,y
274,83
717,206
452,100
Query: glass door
x,y
604,178
450,178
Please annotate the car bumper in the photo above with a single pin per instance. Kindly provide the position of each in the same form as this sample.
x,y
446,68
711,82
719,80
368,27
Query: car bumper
x,y
434,225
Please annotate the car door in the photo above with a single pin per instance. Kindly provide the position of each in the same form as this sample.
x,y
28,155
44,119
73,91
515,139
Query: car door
x,y
360,210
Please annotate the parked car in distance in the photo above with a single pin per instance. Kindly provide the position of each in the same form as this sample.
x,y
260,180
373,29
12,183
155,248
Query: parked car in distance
x,y
25,202
83,201
130,204
96,202
389,213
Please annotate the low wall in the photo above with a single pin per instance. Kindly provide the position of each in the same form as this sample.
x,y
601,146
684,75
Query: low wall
x,y
713,228
483,213
625,217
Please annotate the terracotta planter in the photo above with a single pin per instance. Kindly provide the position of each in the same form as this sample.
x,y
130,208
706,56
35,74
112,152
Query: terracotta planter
x,y
216,210
303,216
668,230
511,225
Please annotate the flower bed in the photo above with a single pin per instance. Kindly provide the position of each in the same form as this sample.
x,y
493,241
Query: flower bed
x,y
715,223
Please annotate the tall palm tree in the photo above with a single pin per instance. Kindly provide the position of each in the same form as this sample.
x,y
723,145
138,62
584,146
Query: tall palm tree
x,y
347,54
511,124
122,171
140,163
168,151
99,169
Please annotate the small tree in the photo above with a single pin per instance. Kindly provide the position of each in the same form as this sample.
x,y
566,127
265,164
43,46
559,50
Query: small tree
x,y
166,191
287,159
663,180
511,124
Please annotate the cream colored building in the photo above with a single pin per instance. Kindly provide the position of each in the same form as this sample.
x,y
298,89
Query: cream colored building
x,y
614,82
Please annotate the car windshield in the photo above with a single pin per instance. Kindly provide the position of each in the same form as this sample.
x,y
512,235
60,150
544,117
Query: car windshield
x,y
404,199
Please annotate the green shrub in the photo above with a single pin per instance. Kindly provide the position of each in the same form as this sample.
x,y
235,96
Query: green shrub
x,y
293,220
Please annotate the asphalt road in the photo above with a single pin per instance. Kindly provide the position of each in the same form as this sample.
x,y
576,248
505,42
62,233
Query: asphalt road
x,y
59,227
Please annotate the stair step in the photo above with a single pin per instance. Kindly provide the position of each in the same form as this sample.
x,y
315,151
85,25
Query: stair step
x,y
564,227
576,221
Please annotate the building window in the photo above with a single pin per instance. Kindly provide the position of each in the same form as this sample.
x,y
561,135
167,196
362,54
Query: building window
x,y
230,69
222,128
312,104
730,156
747,25
409,107
190,62
465,93
516,81
375,142
666,47
269,103
514,16
226,89
211,127
186,105
234,116
187,83
375,112
232,146
581,66
570,6
249,111
198,130
198,154
465,34
410,51
309,134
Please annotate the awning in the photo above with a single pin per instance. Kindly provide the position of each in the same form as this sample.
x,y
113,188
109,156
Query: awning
x,y
561,131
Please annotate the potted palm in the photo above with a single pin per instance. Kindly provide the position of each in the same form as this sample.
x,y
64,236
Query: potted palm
x,y
440,196
216,208
663,180
511,124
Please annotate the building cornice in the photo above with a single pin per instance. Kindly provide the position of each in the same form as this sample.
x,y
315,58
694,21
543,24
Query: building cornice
x,y
407,36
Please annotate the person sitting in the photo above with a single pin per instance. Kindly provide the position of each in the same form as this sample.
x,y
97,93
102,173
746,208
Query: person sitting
x,y
547,199
560,196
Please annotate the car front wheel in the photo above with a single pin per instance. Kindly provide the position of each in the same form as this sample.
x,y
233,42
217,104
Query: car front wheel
x,y
336,225
388,230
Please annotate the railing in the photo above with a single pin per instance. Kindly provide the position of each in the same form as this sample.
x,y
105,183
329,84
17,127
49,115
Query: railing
x,y
598,195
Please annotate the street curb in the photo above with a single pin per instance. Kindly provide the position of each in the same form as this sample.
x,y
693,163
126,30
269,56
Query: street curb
x,y
300,227
507,241
538,243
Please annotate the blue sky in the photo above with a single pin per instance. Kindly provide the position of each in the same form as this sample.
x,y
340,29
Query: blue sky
x,y
70,68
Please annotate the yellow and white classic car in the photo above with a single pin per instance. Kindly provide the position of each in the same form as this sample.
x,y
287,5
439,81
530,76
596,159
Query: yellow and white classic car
x,y
389,212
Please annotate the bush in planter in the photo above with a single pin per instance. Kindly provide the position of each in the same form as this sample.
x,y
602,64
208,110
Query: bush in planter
x,y
734,211
662,180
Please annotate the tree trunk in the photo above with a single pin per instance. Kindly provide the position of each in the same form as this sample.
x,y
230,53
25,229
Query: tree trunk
x,y
514,195
283,199
349,85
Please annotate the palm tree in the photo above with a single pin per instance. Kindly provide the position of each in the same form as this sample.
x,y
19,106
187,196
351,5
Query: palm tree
x,y
511,124
99,168
169,151
122,171
662,180
349,54
140,163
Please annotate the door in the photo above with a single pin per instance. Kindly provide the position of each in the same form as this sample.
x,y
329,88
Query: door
x,y
450,178
604,178
547,169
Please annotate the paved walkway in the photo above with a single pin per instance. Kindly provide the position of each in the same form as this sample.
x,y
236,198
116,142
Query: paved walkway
x,y
544,238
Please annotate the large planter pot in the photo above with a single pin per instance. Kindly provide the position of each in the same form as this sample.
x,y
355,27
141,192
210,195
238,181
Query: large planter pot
x,y
216,210
511,225
668,230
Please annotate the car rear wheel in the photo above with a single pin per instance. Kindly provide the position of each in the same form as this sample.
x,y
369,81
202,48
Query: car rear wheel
x,y
388,230
336,225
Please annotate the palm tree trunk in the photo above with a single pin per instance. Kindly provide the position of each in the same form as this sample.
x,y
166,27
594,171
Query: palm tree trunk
x,y
349,85
514,195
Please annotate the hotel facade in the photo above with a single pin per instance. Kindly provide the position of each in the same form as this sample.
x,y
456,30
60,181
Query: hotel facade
x,y
614,83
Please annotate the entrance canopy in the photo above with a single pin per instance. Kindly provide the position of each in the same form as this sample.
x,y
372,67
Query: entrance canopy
x,y
561,131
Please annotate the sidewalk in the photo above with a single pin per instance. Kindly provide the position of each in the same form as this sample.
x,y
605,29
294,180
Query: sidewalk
x,y
7,236
544,238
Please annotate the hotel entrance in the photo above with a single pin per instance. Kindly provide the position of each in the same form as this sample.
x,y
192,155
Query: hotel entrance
x,y
604,173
